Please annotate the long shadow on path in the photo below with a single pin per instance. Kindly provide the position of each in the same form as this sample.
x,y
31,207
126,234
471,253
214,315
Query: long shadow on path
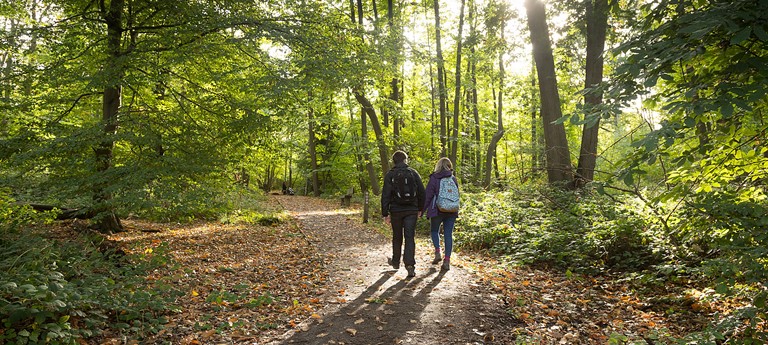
x,y
376,317
383,306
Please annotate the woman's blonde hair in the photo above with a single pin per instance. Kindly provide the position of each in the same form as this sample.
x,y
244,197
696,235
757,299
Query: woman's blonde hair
x,y
443,164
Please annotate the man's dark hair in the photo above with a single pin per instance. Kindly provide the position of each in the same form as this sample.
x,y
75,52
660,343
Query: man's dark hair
x,y
399,156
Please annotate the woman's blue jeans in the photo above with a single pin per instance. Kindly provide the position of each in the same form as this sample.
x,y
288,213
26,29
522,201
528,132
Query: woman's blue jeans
x,y
448,223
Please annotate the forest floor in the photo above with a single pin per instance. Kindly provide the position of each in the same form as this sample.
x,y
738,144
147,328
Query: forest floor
x,y
321,277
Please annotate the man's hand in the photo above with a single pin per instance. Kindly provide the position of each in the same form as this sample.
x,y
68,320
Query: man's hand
x,y
420,213
387,220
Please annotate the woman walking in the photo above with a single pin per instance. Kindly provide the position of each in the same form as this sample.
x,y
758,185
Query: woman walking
x,y
441,206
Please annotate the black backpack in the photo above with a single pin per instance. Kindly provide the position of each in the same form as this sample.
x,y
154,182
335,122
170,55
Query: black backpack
x,y
403,186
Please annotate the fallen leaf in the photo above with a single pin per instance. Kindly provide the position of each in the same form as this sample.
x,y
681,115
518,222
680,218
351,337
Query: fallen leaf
x,y
208,334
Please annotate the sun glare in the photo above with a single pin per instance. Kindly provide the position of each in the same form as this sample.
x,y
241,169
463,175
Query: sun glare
x,y
518,5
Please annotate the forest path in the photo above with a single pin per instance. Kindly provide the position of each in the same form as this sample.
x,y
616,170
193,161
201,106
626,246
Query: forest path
x,y
376,304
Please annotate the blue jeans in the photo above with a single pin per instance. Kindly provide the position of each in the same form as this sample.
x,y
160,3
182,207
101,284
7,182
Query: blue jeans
x,y
448,223
404,227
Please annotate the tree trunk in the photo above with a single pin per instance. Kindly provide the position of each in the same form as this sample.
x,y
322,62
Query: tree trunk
x,y
432,108
457,92
359,12
64,212
440,81
107,220
473,95
357,144
7,60
558,157
312,143
534,134
383,151
394,84
490,155
373,180
597,24
367,108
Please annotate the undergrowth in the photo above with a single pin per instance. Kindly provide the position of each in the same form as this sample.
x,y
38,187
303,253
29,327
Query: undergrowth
x,y
715,240
56,291
569,230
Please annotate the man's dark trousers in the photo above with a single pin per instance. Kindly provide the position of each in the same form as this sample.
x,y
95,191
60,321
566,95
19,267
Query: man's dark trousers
x,y
404,224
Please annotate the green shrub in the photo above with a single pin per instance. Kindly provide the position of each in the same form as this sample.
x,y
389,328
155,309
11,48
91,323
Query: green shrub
x,y
582,231
54,292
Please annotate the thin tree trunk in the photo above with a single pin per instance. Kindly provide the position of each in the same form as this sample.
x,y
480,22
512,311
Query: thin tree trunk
x,y
457,92
312,143
490,156
373,180
395,82
360,12
431,87
534,123
473,96
360,158
597,24
356,145
558,157
440,81
107,220
8,61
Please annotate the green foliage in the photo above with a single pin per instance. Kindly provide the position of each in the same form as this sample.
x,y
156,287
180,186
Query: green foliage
x,y
702,65
14,216
53,292
582,231
241,205
732,253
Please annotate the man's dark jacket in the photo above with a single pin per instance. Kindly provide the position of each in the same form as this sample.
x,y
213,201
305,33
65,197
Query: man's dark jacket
x,y
387,203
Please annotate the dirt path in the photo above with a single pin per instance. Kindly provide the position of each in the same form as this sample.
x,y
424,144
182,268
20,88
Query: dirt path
x,y
377,304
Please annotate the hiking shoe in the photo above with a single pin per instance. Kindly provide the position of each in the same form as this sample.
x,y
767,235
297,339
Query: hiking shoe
x,y
411,271
438,258
446,265
395,265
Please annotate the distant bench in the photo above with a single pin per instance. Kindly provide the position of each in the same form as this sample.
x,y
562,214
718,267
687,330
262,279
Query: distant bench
x,y
346,200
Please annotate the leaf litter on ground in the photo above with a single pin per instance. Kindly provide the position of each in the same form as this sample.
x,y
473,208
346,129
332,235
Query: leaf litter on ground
x,y
243,283
240,282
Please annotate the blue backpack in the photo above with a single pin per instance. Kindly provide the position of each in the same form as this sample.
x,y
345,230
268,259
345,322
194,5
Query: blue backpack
x,y
447,199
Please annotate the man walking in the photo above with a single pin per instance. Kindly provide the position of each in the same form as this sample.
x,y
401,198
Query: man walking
x,y
402,200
